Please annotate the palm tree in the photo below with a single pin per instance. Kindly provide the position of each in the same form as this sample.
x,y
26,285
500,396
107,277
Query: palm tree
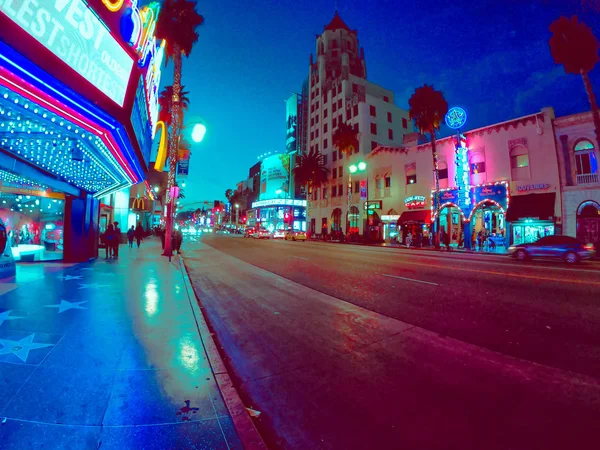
x,y
228,194
310,170
176,24
345,139
164,101
427,109
574,45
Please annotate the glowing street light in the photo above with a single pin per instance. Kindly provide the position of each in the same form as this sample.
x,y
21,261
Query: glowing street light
x,y
156,189
198,132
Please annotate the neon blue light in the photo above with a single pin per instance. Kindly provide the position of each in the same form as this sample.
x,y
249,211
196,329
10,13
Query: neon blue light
x,y
456,118
19,65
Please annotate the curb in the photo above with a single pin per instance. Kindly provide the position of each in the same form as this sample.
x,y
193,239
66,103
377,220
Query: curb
x,y
244,426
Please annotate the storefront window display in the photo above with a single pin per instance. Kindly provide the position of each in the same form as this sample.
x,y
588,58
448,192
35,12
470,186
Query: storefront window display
x,y
488,225
282,217
530,230
34,226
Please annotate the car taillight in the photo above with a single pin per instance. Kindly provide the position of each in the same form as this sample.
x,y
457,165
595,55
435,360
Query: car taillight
x,y
589,246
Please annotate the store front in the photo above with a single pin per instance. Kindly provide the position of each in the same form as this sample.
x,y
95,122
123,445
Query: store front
x,y
280,214
73,128
390,226
531,217
417,225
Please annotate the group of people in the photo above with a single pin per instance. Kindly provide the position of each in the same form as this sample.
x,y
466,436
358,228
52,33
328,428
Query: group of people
x,y
111,238
176,238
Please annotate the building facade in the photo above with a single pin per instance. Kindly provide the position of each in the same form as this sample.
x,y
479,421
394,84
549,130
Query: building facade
x,y
501,180
578,157
339,92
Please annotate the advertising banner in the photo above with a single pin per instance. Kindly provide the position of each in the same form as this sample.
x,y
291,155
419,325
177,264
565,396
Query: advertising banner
x,y
274,177
495,192
291,112
183,167
448,196
74,33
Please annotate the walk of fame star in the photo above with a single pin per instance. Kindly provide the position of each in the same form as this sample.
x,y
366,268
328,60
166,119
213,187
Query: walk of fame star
x,y
4,316
65,306
92,286
21,348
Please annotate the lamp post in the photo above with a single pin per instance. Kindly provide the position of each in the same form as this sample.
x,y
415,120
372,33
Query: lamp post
x,y
237,213
355,168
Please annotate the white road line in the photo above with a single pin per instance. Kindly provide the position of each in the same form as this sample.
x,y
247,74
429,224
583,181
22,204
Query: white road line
x,y
409,279
300,257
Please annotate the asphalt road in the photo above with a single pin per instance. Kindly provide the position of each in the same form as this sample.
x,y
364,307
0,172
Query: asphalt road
x,y
346,346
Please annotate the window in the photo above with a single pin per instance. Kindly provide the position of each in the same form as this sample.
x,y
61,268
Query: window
x,y
325,160
386,99
317,118
355,88
334,54
334,172
312,148
312,121
340,100
373,128
317,105
325,127
443,174
317,147
378,182
585,158
334,122
340,155
334,107
325,144
312,135
348,114
390,117
390,134
334,44
317,132
324,113
373,145
478,167
373,111
334,191
341,171
517,161
340,190
335,155
411,179
324,193
317,91
356,186
404,123
355,110
388,181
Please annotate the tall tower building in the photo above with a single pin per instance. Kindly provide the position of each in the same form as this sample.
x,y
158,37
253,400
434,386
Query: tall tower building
x,y
339,92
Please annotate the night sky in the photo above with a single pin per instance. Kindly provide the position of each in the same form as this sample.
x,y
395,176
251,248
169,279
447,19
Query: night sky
x,y
492,58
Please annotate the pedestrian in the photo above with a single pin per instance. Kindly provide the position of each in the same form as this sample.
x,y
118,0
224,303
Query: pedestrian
x,y
109,236
409,239
480,240
130,235
162,233
139,234
447,241
176,241
117,240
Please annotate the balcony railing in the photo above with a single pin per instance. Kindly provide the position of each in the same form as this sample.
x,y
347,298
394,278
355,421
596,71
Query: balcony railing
x,y
587,178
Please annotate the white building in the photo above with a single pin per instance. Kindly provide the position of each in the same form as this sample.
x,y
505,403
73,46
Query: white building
x,y
512,179
339,92
578,158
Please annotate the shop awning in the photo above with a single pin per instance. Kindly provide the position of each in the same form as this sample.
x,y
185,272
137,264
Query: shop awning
x,y
422,216
532,206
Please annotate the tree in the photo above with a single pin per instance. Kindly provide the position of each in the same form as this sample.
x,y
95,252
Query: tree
x,y
165,100
228,194
310,170
574,45
427,108
176,25
345,139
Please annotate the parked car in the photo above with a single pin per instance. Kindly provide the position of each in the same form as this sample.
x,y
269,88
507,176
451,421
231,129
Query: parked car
x,y
567,248
295,236
261,233
248,232
278,234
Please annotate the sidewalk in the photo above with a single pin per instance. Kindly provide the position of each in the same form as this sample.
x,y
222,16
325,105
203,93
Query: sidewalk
x,y
107,355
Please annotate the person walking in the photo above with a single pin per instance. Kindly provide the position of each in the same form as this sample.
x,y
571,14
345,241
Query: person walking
x,y
109,236
117,240
139,234
409,239
130,235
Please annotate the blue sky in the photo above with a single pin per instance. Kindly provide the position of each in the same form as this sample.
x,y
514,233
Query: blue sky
x,y
492,58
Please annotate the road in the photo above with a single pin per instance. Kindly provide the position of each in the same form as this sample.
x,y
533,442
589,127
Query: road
x,y
346,346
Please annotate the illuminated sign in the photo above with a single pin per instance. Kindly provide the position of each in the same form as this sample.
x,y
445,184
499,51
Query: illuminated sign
x,y
275,176
70,30
533,187
463,182
279,202
373,204
140,121
390,218
415,202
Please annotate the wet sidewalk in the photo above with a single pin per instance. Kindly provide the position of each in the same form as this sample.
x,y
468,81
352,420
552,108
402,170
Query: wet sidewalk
x,y
106,355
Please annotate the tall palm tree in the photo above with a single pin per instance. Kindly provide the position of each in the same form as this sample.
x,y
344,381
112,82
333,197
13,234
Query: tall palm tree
x,y
574,45
427,108
165,100
345,139
310,170
176,24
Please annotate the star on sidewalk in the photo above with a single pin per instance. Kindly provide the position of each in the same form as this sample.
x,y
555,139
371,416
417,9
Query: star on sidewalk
x,y
21,348
92,286
4,316
70,277
65,306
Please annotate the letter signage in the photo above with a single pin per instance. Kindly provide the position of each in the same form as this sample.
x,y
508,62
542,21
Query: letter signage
x,y
73,32
533,187
415,202
279,202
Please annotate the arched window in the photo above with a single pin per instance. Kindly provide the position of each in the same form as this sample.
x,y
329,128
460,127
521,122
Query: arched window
x,y
336,217
586,163
519,163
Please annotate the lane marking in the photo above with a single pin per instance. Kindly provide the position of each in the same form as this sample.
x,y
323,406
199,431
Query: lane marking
x,y
409,279
300,257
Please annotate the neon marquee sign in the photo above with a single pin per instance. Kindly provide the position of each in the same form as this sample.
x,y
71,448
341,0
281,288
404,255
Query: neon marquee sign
x,y
415,202
72,32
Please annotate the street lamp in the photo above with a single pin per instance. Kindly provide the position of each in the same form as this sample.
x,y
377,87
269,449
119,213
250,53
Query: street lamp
x,y
237,213
156,189
361,166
